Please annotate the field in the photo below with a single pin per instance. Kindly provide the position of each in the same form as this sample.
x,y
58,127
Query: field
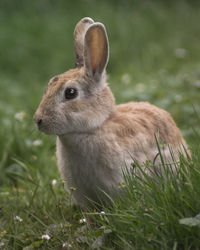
x,y
155,57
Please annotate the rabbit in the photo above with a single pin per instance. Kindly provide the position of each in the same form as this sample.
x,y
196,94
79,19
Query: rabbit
x,y
97,139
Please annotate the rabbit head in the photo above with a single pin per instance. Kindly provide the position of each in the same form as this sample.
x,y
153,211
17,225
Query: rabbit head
x,y
79,100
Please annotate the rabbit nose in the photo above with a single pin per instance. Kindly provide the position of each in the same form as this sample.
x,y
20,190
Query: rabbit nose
x,y
38,120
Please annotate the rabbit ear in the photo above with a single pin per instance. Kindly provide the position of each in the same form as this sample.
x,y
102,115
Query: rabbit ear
x,y
96,50
79,35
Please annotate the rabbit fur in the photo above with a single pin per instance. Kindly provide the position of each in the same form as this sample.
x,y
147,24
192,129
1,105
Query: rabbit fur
x,y
97,139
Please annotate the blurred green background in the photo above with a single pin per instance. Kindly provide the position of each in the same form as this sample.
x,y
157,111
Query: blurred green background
x,y
154,56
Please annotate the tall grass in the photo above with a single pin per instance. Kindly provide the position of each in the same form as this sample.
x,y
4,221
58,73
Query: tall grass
x,y
157,213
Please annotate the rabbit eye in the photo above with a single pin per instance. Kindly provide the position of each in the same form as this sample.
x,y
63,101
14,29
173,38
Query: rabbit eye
x,y
70,93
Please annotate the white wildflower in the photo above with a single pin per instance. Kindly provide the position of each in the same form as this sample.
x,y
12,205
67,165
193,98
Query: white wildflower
x,y
4,193
180,52
17,218
67,244
126,78
2,244
21,116
54,181
37,143
46,237
140,87
82,220
102,212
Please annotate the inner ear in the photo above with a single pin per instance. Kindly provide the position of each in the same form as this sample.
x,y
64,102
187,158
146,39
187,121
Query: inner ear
x,y
96,49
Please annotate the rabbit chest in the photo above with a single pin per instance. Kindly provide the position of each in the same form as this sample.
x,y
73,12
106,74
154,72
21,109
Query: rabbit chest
x,y
90,164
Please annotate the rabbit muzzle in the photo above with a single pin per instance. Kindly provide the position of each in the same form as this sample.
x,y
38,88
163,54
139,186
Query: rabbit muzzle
x,y
39,121
44,123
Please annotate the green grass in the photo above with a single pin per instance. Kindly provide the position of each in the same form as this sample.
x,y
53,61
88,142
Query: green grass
x,y
158,215
155,57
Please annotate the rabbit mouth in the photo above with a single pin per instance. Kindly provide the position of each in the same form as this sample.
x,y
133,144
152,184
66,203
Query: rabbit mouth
x,y
44,128
47,127
50,130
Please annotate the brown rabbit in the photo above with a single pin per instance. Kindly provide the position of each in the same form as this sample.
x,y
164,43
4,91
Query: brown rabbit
x,y
96,139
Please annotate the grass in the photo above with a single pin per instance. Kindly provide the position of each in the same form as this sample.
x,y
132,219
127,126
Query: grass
x,y
154,56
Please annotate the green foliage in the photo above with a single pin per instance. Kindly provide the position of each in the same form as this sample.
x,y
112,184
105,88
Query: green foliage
x,y
153,214
155,57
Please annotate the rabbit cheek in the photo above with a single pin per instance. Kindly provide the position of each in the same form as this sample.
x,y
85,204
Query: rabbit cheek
x,y
58,123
